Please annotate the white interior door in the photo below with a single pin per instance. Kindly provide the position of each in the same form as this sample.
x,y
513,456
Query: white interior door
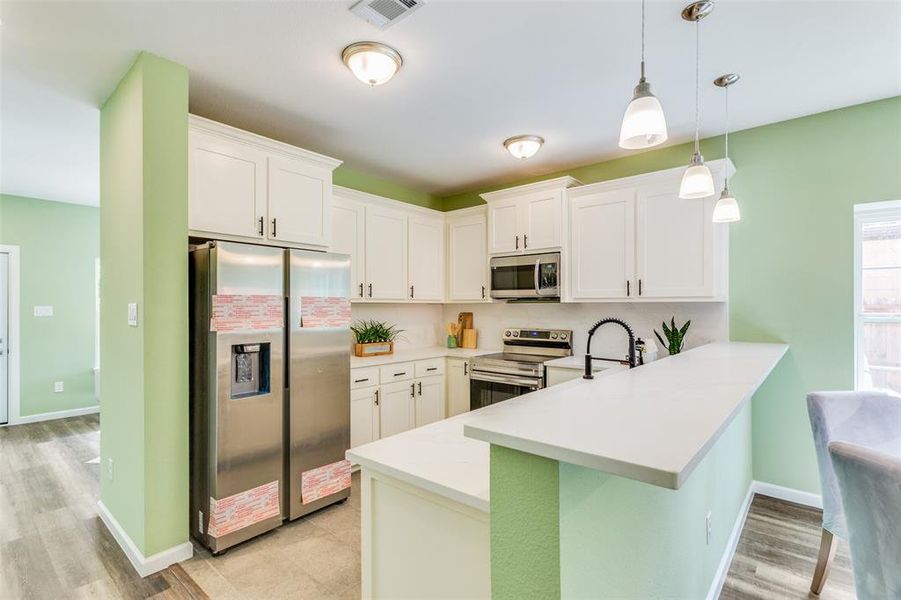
x,y
542,214
4,337
675,244
426,258
386,254
300,202
603,245
227,186
348,237
468,261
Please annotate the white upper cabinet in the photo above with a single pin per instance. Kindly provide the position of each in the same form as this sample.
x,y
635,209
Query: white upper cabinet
x,y
603,245
349,237
426,252
386,254
227,186
503,217
467,259
528,218
247,187
675,244
300,202
634,239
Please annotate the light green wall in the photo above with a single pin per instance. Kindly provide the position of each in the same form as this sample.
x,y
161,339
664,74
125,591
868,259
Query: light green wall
x,y
525,528
621,538
348,177
58,246
144,408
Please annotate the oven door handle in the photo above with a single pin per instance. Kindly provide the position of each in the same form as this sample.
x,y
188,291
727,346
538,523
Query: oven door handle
x,y
480,376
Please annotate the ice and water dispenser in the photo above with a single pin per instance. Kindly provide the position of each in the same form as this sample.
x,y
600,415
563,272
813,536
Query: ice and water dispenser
x,y
250,370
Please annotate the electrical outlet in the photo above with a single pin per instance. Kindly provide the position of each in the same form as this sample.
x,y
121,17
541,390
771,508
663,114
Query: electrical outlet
x,y
109,468
709,523
58,387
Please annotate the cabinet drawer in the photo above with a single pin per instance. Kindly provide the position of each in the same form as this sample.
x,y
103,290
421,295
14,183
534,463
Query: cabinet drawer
x,y
364,377
396,372
427,368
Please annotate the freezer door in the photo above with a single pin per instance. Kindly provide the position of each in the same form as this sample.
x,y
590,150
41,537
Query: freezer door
x,y
318,370
245,410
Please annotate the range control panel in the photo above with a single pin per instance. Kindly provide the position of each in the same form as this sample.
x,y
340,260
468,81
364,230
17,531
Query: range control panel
x,y
562,335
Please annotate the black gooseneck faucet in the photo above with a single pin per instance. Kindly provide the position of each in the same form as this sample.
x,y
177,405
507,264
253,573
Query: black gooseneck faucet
x,y
634,358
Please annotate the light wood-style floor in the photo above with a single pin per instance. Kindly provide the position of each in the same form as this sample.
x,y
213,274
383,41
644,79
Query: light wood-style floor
x,y
53,545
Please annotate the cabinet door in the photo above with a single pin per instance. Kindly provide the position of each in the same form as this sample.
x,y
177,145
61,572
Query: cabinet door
x,y
429,400
457,386
426,253
675,244
364,416
227,186
348,237
386,254
603,245
300,202
503,227
542,220
396,408
467,265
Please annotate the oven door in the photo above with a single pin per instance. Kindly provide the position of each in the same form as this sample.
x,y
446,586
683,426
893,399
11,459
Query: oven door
x,y
526,276
490,388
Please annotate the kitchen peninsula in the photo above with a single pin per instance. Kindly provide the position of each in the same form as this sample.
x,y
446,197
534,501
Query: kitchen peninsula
x,y
670,440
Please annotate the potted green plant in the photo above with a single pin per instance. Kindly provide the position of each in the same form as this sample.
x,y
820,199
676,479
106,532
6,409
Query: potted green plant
x,y
675,336
374,338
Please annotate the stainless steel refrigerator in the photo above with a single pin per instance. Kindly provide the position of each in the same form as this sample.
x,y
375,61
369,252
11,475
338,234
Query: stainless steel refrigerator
x,y
270,387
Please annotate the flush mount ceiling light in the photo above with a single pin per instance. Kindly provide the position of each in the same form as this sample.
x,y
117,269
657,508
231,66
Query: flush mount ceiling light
x,y
726,209
371,62
523,146
697,182
644,124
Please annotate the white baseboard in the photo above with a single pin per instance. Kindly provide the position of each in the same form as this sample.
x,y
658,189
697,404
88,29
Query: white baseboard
x,y
788,494
764,489
144,565
726,560
51,416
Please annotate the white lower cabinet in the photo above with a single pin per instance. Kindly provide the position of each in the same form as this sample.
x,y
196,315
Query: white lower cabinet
x,y
364,416
396,397
457,386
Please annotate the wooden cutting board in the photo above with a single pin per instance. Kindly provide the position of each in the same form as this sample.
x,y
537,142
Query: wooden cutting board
x,y
464,321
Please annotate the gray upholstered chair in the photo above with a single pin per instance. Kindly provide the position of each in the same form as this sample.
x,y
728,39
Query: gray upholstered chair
x,y
869,419
870,484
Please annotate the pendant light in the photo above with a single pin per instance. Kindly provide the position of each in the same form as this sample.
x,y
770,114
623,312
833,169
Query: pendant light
x,y
726,209
644,124
697,182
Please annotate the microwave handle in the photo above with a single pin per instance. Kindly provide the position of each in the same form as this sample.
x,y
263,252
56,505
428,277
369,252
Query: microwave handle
x,y
538,291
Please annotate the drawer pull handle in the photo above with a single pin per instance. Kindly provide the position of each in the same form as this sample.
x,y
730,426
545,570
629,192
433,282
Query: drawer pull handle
x,y
360,380
432,369
399,374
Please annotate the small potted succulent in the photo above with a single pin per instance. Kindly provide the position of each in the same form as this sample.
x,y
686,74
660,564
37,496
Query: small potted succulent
x,y
374,338
675,336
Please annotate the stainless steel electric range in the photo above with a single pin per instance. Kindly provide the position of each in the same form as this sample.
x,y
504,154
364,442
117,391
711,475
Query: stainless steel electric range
x,y
519,369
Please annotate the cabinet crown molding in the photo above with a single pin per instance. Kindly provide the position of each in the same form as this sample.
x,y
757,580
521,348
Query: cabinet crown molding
x,y
246,137
548,184
718,169
339,191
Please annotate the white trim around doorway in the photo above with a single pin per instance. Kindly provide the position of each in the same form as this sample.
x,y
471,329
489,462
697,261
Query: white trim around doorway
x,y
12,394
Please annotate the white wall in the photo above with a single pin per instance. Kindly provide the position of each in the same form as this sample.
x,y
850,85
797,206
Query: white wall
x,y
424,323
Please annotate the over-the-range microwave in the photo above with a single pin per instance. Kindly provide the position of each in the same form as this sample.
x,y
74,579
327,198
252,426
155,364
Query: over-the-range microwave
x,y
526,277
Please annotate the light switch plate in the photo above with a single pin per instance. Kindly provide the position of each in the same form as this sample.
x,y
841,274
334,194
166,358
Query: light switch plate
x,y
132,314
58,387
43,311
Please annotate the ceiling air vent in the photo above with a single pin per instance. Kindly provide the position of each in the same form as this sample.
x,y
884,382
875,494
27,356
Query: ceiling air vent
x,y
384,13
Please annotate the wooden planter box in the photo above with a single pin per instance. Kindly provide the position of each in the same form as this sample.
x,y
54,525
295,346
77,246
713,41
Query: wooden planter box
x,y
374,349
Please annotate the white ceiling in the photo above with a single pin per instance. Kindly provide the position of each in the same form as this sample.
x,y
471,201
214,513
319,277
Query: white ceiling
x,y
474,73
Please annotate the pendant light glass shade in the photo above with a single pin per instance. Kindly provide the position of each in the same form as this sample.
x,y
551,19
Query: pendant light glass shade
x,y
726,209
644,124
697,181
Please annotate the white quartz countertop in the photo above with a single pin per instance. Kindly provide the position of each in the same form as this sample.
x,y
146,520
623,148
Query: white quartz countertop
x,y
578,362
652,424
408,354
